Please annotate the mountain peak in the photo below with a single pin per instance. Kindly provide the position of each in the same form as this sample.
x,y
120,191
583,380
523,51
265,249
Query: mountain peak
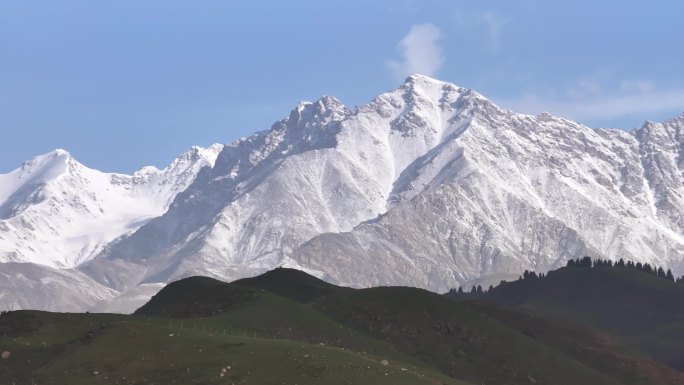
x,y
322,111
53,163
418,81
192,155
330,102
419,86
209,153
58,152
420,78
54,155
323,104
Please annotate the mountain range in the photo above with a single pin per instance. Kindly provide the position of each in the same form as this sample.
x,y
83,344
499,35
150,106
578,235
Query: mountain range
x,y
429,185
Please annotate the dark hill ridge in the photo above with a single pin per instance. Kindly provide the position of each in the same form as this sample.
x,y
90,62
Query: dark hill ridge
x,y
203,296
196,297
291,283
643,310
463,340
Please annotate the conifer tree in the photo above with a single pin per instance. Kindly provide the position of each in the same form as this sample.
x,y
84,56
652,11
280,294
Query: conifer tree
x,y
669,275
648,268
585,262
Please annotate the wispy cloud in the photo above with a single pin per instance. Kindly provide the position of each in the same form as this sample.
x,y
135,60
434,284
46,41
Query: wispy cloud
x,y
490,22
601,96
420,52
646,100
636,85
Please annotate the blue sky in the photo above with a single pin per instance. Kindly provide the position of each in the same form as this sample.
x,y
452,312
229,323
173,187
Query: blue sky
x,y
122,84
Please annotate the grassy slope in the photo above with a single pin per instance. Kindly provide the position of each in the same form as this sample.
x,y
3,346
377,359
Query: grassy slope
x,y
457,339
460,340
644,311
597,349
144,350
287,327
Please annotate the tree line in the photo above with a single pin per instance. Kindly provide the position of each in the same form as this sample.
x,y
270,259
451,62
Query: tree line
x,y
587,262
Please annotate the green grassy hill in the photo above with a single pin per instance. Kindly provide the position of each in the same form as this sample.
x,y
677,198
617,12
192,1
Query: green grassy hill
x,y
458,339
642,310
286,327
137,350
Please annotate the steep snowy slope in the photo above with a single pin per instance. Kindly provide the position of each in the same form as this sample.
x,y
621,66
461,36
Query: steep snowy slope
x,y
514,192
323,169
266,194
473,192
428,185
661,150
56,212
32,286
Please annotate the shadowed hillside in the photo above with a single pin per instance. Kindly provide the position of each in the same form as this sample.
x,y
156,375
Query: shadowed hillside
x,y
643,310
287,327
461,340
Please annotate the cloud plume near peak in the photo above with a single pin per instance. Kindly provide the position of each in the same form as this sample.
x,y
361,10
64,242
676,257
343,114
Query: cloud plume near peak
x,y
642,103
420,52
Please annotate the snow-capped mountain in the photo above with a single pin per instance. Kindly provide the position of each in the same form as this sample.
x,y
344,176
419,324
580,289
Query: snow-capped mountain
x,y
514,192
56,212
429,185
34,286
